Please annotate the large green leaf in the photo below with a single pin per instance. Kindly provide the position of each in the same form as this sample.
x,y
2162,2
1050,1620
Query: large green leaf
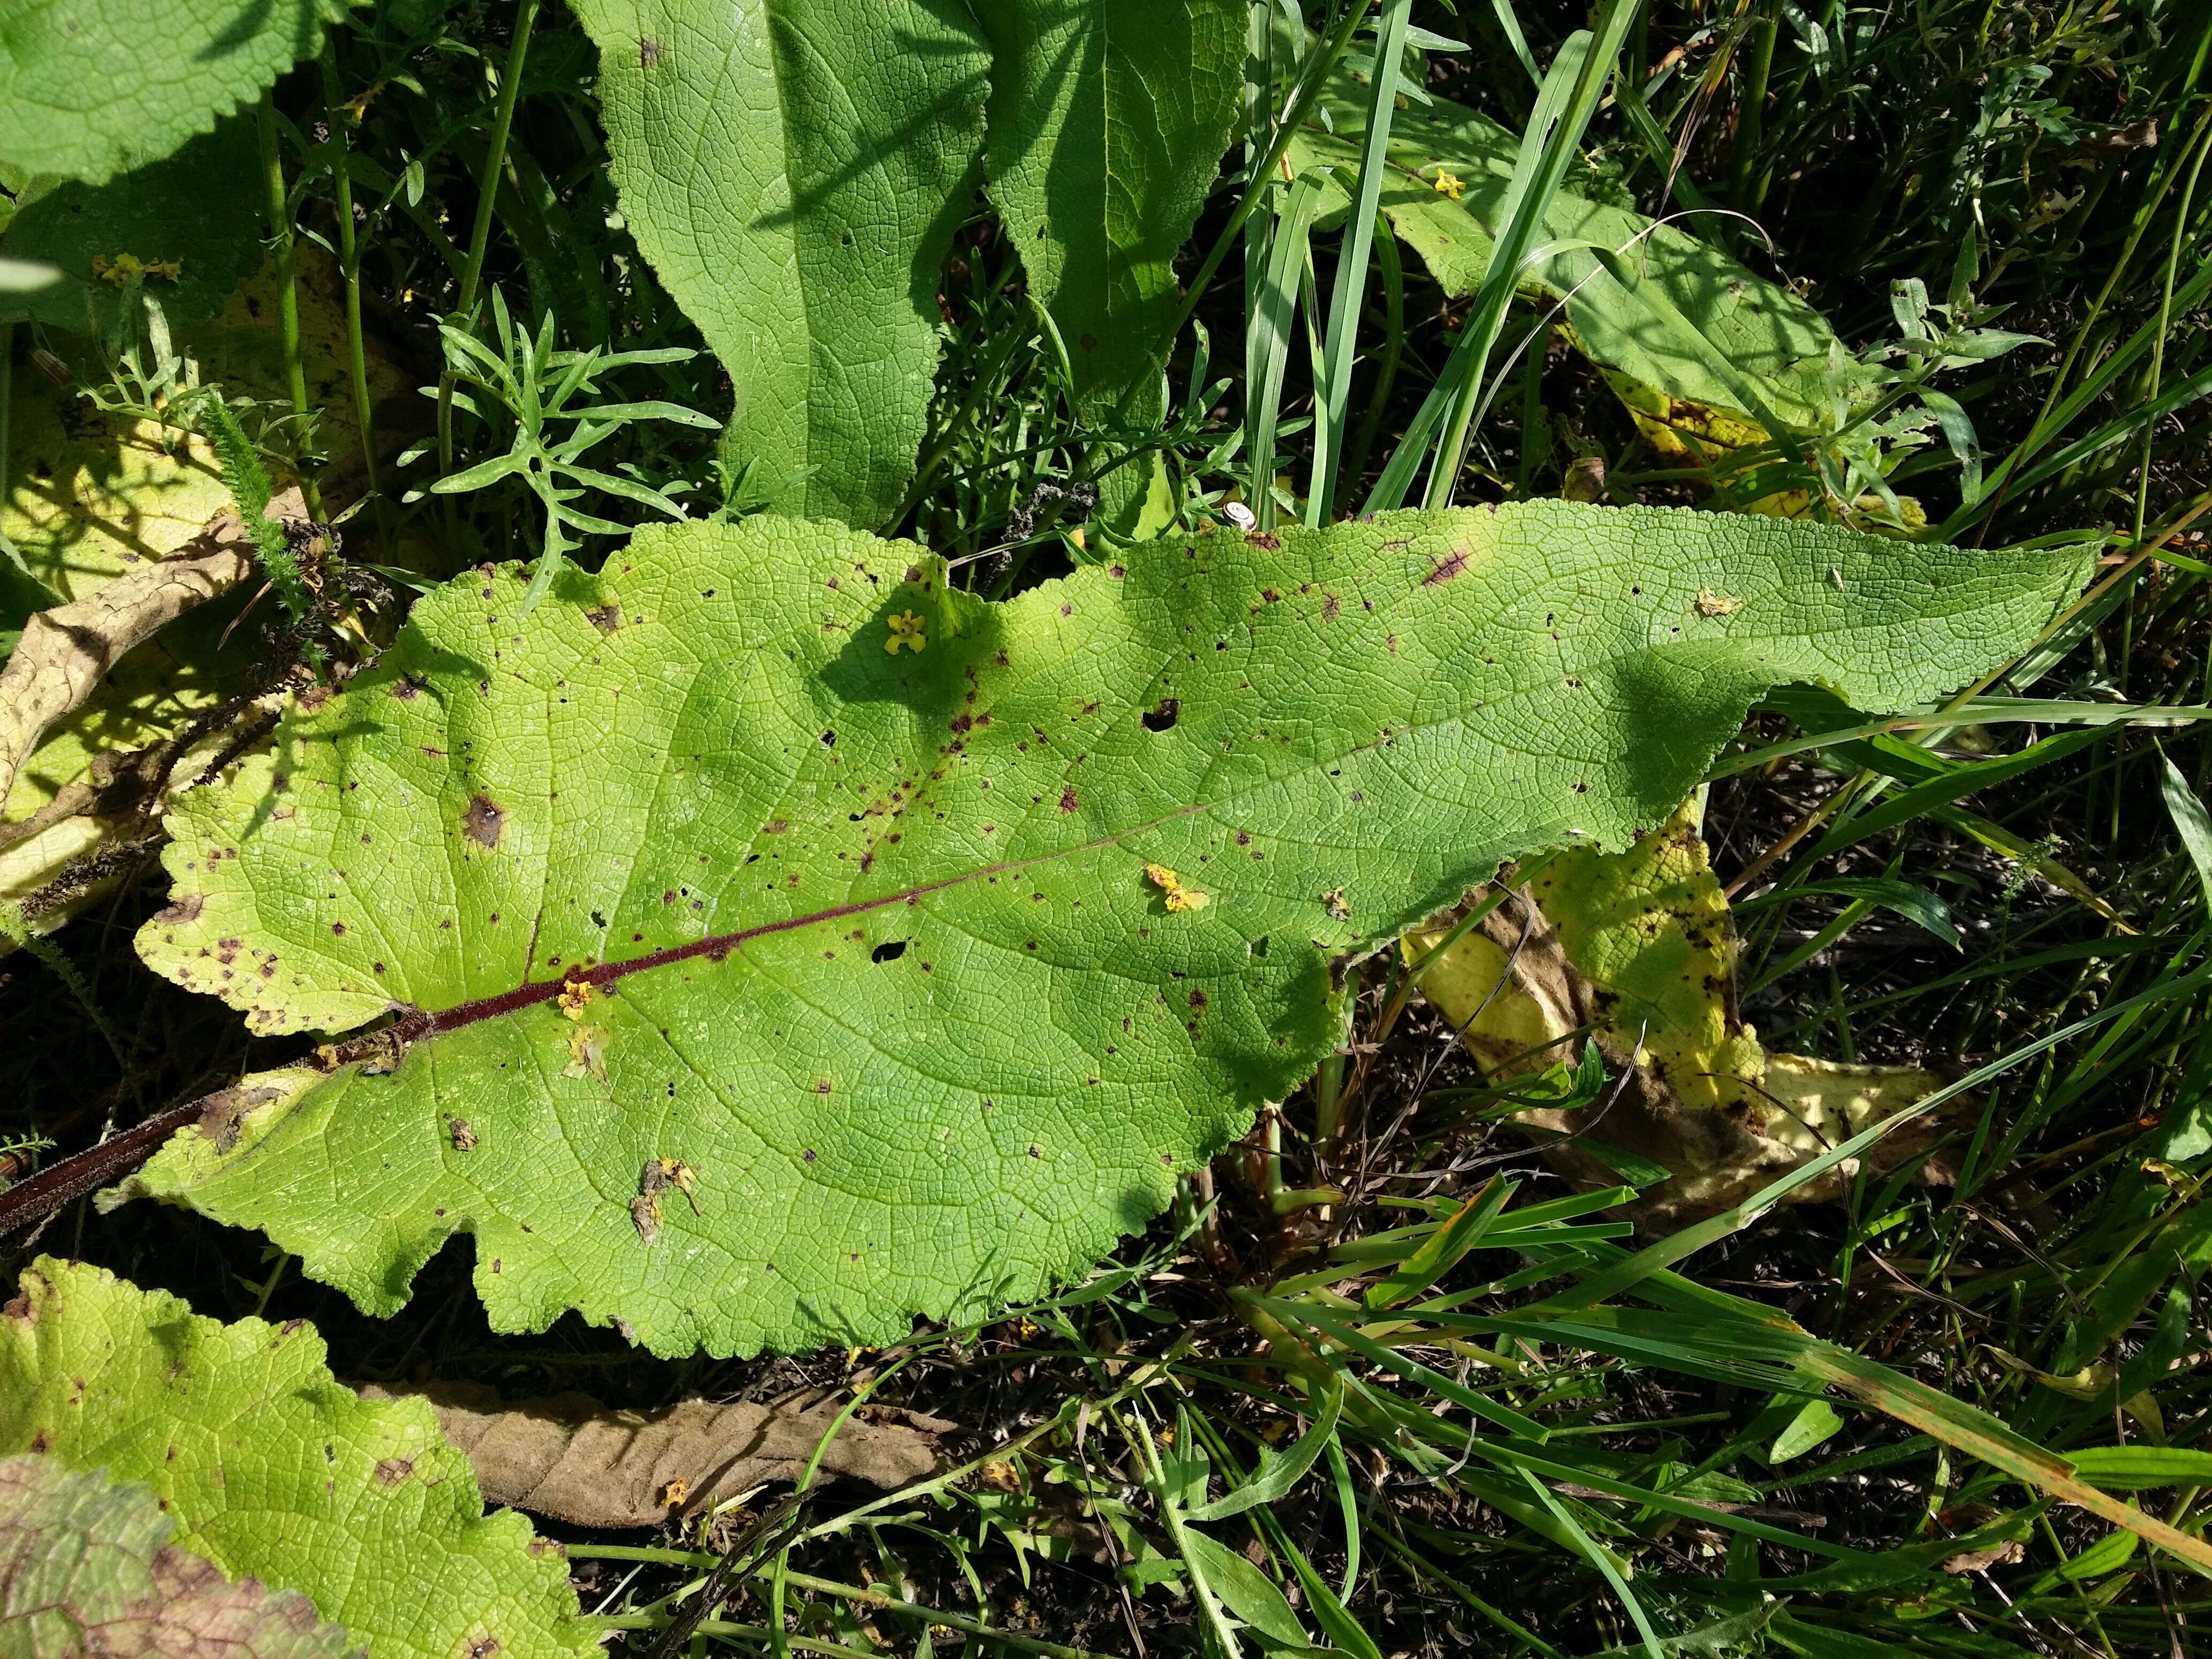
x,y
92,88
1108,122
794,169
876,964
271,1468
85,1567
1689,324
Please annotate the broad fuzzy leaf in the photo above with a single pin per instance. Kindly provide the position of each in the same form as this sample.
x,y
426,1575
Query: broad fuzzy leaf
x,y
1108,122
1690,327
894,1005
270,1468
85,1567
99,87
794,169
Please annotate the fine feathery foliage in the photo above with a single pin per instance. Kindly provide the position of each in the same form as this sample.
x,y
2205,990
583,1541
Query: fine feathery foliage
x,y
126,82
761,983
86,1566
270,1468
247,480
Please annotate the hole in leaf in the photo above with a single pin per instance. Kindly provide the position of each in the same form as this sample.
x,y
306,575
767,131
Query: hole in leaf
x,y
890,951
1163,714
1258,947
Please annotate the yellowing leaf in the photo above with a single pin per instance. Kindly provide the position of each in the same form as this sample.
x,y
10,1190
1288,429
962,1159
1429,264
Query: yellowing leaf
x,y
1640,945
85,1567
269,1467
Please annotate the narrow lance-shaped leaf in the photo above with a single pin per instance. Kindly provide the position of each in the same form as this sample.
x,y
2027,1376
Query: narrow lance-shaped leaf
x,y
794,169
762,985
99,87
270,1468
1108,123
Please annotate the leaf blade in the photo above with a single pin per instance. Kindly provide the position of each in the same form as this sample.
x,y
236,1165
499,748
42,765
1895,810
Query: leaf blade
x,y
870,946
796,184
269,1467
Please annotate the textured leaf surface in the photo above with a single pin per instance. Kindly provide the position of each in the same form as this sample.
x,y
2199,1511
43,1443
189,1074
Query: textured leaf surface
x,y
85,1567
1108,122
1693,325
97,86
889,1010
794,169
270,1469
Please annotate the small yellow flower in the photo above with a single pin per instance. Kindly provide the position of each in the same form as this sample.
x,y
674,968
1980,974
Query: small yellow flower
x,y
575,996
1448,184
908,630
1176,896
121,269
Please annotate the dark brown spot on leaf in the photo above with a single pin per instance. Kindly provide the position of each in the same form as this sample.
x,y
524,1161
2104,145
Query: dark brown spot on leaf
x,y
183,909
1444,570
483,820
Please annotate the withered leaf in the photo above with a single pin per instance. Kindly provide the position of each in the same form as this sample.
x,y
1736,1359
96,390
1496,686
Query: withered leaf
x,y
86,1566
568,1456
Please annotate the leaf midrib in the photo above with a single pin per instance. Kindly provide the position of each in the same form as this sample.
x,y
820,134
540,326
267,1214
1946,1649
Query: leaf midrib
x,y
421,1023
418,1024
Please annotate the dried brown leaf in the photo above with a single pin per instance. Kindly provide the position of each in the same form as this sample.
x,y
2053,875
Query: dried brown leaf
x,y
568,1456
65,652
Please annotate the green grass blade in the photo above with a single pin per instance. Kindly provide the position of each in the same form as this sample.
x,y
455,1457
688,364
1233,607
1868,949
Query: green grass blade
x,y
1333,401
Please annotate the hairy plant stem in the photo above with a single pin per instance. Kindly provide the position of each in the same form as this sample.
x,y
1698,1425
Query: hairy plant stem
x,y
278,204
510,92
